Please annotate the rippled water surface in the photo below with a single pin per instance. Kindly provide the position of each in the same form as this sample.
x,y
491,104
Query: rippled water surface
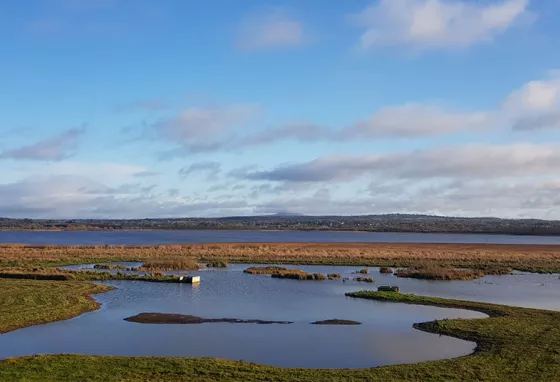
x,y
194,236
385,337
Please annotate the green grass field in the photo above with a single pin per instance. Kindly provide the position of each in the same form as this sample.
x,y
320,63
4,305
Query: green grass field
x,y
514,344
31,302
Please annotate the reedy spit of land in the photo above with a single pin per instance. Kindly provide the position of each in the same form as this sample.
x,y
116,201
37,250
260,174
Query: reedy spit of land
x,y
533,258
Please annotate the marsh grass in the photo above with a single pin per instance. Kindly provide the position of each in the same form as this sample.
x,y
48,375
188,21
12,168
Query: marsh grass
x,y
364,271
217,264
530,258
169,264
299,275
365,279
111,267
334,276
83,275
385,270
439,273
270,270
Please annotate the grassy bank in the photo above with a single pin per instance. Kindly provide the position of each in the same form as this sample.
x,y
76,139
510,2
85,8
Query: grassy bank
x,y
30,302
55,274
514,344
532,258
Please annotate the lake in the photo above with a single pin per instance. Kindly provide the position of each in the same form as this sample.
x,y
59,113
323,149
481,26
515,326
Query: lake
x,y
197,236
385,337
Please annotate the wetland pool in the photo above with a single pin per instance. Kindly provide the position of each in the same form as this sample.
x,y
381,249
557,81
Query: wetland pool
x,y
385,336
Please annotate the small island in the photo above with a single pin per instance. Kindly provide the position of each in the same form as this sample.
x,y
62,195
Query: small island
x,y
335,321
184,319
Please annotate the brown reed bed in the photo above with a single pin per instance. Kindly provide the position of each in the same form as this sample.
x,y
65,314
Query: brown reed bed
x,y
169,264
531,258
438,273
385,270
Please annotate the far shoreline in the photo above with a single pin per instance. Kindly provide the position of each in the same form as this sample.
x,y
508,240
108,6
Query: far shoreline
x,y
217,229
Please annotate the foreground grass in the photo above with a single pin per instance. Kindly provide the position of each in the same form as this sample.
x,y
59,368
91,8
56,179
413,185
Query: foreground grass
x,y
30,302
514,344
531,258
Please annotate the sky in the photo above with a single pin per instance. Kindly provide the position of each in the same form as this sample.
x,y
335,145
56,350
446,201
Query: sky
x,y
184,108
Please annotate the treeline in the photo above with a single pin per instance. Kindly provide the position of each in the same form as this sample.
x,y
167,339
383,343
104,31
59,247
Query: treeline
x,y
371,223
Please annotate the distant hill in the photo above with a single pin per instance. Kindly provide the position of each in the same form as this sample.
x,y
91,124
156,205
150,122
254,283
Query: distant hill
x,y
289,221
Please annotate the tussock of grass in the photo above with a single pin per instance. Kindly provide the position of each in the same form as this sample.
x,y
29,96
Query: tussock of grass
x,y
385,270
169,264
270,270
299,275
364,271
110,267
334,276
217,264
437,273
365,279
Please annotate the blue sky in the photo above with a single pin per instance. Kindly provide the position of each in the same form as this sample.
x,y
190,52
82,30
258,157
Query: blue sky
x,y
122,108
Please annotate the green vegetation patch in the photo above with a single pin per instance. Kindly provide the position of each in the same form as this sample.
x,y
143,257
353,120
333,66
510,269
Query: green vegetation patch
x,y
30,302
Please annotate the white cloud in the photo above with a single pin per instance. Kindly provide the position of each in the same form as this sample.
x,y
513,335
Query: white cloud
x,y
202,129
429,24
81,197
270,28
461,162
536,105
416,120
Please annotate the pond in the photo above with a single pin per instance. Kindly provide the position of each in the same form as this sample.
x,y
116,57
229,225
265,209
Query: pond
x,y
385,337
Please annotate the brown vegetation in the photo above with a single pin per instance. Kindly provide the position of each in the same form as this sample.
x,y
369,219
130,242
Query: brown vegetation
x,y
365,279
437,273
299,275
533,258
385,270
364,271
271,270
169,264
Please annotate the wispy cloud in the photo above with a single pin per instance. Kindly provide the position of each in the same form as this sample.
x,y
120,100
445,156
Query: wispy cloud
x,y
55,148
270,28
436,24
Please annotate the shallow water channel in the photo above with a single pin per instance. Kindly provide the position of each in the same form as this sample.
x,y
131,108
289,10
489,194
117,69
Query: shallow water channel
x,y
385,337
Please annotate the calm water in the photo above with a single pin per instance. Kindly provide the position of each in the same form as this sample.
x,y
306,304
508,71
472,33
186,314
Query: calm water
x,y
386,336
176,237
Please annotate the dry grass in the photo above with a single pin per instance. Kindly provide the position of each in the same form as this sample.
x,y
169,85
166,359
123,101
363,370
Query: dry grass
x,y
170,264
299,275
365,279
536,258
437,273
